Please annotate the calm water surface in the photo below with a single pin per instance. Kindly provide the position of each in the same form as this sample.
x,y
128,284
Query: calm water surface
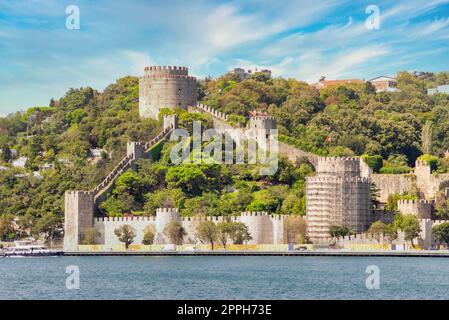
x,y
224,278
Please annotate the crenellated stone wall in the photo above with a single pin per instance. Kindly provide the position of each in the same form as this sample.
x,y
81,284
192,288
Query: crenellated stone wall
x,y
389,184
214,113
220,123
426,183
264,228
420,208
107,225
425,239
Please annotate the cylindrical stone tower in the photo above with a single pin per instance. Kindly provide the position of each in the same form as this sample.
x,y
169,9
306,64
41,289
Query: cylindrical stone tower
x,y
337,195
165,87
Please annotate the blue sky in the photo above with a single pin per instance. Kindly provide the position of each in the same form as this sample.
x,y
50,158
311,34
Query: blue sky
x,y
41,59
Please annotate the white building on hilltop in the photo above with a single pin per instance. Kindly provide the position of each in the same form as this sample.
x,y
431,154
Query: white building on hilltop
x,y
384,84
439,89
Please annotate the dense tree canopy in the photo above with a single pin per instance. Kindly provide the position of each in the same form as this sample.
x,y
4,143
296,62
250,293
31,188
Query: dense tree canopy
x,y
353,117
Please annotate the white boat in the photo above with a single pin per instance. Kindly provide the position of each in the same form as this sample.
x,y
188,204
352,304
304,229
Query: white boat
x,y
26,249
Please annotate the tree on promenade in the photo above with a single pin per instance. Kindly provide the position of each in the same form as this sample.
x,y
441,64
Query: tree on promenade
x,y
125,234
148,235
240,233
207,232
337,231
409,224
224,231
175,232
441,233
377,229
91,236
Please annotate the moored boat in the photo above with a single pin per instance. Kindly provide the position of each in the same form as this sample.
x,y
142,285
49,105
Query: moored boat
x,y
26,249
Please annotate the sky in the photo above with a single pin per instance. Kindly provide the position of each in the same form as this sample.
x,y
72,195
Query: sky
x,y
40,58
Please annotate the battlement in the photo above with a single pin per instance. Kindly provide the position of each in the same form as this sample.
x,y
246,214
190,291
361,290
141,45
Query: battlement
x,y
332,160
279,217
338,194
155,77
337,179
339,166
78,216
416,201
83,193
420,208
254,214
421,163
263,118
121,219
213,112
261,121
209,218
167,70
264,228
437,222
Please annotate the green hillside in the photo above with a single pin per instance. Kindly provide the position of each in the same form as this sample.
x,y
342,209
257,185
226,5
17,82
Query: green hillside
x,y
75,141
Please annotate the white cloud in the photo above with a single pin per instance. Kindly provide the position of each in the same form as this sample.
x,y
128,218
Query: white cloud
x,y
427,29
328,37
137,61
406,10
341,66
225,27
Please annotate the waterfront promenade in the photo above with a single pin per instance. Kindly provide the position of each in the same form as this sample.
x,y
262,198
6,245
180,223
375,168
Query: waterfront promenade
x,y
325,253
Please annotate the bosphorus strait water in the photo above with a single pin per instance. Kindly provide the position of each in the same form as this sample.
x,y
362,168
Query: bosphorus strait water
x,y
224,278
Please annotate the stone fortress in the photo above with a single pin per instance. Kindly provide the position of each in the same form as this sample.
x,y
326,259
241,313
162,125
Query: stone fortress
x,y
163,87
339,193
